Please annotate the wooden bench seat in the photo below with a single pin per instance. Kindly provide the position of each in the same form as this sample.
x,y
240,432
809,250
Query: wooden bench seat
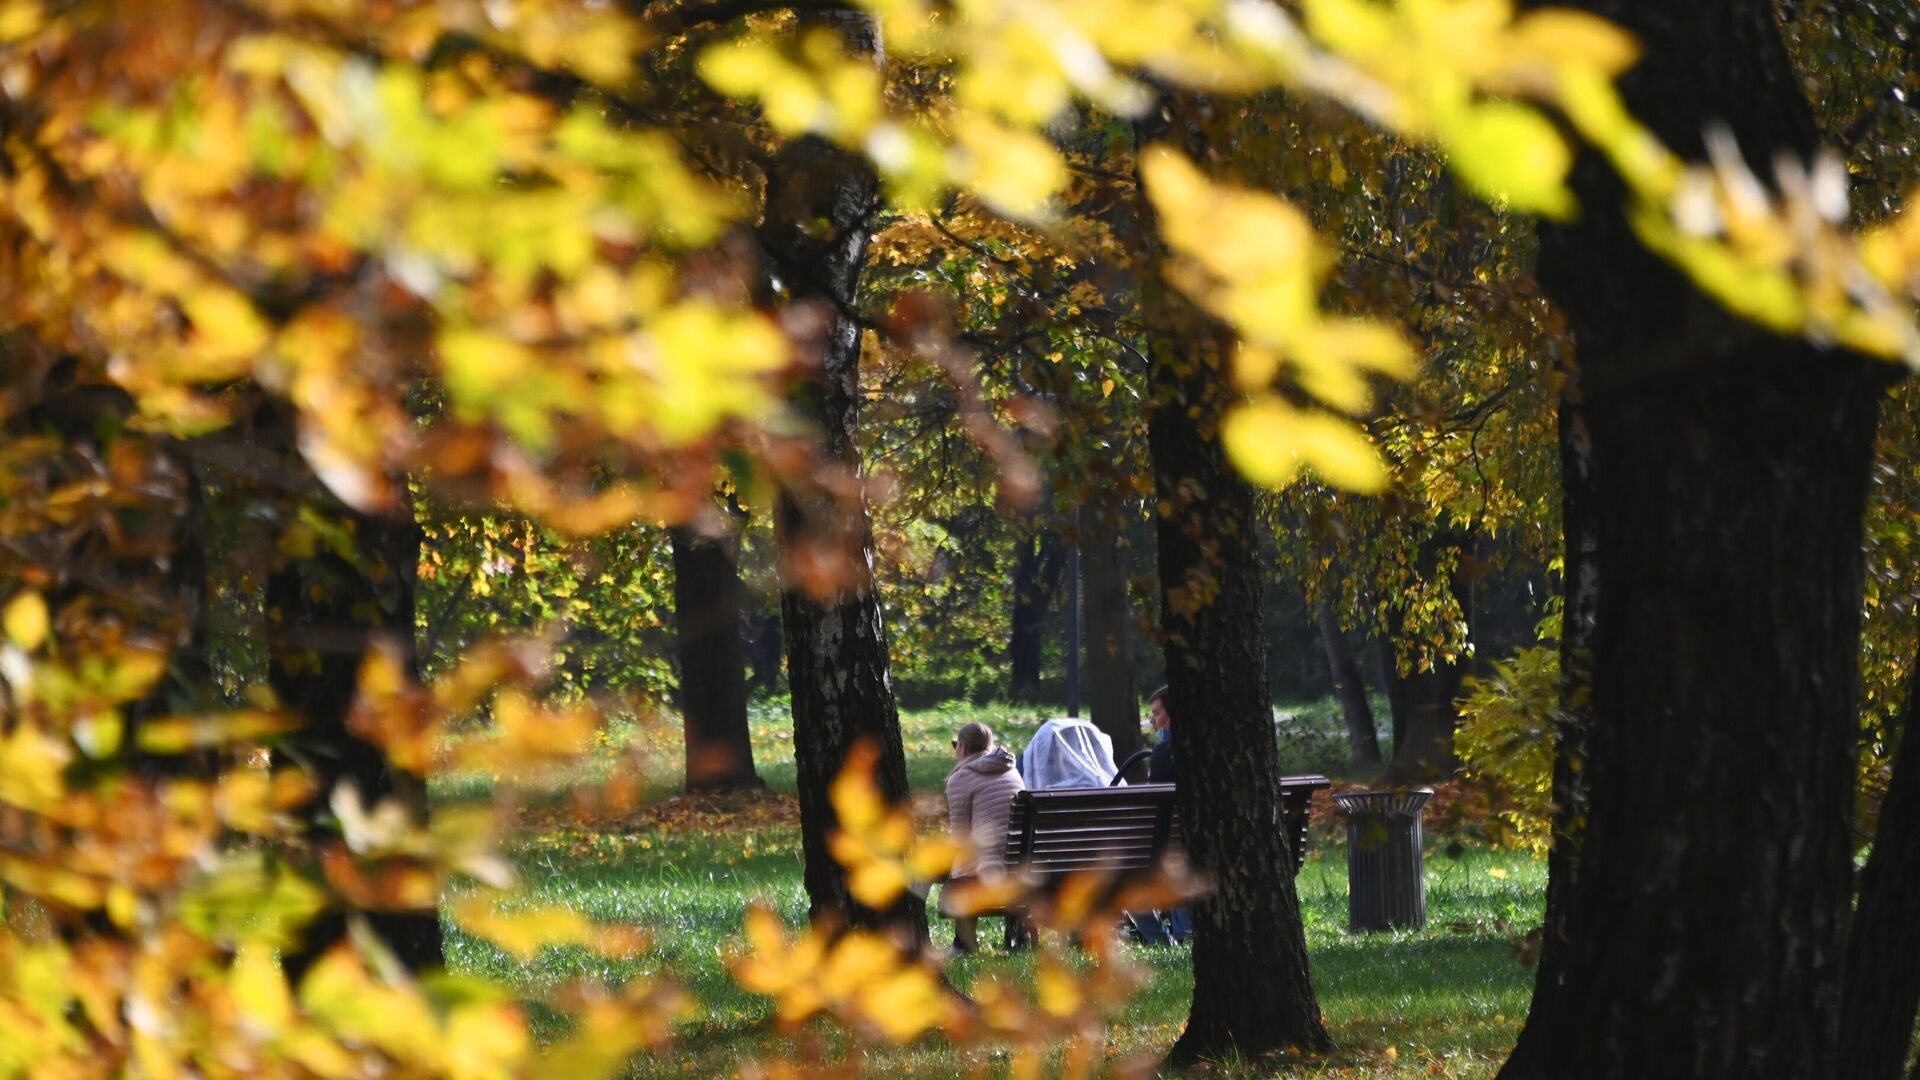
x,y
1124,829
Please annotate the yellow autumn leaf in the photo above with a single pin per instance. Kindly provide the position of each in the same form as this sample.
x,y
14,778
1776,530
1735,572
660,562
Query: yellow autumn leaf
x,y
1258,440
1019,77
484,1039
341,993
1333,356
227,333
531,734
599,44
1254,368
1340,452
774,964
1056,990
857,803
1511,152
876,882
523,933
709,364
933,858
26,619
259,988
856,959
179,734
40,878
1269,441
1357,28
828,92
30,766
129,673
905,1004
1563,38
609,1033
19,18
1360,343
912,161
1016,172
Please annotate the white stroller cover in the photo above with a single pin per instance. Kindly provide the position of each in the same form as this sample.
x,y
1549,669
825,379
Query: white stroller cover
x,y
1067,753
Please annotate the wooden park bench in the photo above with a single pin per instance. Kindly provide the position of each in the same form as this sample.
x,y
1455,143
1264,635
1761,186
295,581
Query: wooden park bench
x,y
1118,831
1124,830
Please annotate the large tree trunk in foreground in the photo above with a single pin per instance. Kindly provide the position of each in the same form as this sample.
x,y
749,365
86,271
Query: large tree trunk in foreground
x,y
1719,477
1882,979
819,200
1112,702
713,663
1252,992
1363,738
326,610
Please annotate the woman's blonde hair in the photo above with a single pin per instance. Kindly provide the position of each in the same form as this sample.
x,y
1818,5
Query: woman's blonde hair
x,y
974,738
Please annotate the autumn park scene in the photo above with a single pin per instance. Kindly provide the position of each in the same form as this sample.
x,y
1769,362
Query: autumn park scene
x,y
959,538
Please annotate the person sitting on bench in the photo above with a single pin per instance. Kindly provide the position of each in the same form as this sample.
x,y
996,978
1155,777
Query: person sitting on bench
x,y
980,792
1162,769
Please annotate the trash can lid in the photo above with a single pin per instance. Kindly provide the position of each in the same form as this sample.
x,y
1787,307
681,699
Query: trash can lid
x,y
1383,802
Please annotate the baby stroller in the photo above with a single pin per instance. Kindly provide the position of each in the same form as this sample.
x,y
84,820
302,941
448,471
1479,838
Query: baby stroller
x,y
1068,752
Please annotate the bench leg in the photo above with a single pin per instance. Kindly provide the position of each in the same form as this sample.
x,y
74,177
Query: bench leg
x,y
1019,934
966,933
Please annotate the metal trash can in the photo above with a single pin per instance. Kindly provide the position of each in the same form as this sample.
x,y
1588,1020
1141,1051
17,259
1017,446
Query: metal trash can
x,y
1386,882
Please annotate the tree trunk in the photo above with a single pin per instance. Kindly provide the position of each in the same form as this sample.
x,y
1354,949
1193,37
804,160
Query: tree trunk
x,y
1252,992
326,609
1881,990
1036,577
1701,933
764,651
1570,787
1112,700
713,664
188,685
1362,737
819,202
1424,715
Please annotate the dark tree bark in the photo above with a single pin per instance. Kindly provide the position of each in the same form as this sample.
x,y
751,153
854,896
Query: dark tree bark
x,y
326,610
819,203
1112,701
1036,578
188,684
1351,690
1570,788
1424,715
1881,991
713,663
1252,992
764,651
1718,475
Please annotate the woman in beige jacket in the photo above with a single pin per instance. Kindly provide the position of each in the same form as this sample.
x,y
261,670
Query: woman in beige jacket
x,y
980,792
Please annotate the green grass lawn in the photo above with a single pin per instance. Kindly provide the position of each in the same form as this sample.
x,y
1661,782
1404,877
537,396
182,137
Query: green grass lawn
x,y
1444,1001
